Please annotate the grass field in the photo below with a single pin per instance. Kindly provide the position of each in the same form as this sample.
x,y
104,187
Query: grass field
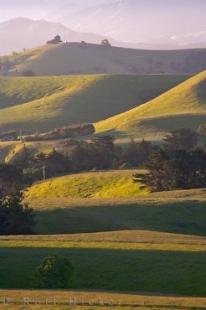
x,y
120,261
92,59
42,103
181,106
69,216
153,244
106,201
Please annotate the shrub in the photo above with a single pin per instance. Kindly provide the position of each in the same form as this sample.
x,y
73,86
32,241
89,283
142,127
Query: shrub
x,y
54,272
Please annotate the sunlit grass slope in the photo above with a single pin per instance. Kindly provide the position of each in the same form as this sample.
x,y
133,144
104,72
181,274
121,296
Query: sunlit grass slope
x,y
182,106
42,103
72,58
112,184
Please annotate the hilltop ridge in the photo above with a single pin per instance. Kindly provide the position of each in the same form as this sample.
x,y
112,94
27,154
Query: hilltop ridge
x,y
83,58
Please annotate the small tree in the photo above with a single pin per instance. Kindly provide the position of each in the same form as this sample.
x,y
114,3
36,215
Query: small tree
x,y
15,216
106,43
54,272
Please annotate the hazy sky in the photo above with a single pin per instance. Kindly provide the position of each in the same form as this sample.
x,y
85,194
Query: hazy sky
x,y
134,20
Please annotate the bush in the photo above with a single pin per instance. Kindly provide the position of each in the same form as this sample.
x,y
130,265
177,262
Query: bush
x,y
54,272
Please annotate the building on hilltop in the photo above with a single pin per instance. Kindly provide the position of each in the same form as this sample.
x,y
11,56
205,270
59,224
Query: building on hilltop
x,y
57,39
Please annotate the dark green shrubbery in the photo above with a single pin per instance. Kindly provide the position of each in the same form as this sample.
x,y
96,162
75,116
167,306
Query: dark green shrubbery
x,y
16,218
54,272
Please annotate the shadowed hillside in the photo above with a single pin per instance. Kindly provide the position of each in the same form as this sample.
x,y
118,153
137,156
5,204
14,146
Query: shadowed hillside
x,y
77,58
43,103
182,106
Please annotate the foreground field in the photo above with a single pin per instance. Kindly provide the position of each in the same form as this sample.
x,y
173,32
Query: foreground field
x,y
135,261
43,103
97,301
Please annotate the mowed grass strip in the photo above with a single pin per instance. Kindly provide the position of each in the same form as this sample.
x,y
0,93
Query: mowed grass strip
x,y
128,301
120,240
125,301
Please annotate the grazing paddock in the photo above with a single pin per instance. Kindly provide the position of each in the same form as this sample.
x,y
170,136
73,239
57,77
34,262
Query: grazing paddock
x,y
135,261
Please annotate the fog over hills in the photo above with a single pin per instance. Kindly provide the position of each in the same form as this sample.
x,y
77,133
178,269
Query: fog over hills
x,y
153,24
20,33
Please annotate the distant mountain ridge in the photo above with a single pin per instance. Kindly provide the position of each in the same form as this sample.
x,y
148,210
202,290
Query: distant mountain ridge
x,y
19,33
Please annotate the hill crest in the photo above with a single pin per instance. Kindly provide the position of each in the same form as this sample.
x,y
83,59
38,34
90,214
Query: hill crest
x,y
187,99
86,58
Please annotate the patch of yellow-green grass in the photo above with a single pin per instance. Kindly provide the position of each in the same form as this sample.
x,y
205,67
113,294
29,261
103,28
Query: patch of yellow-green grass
x,y
185,101
117,240
108,184
43,103
10,150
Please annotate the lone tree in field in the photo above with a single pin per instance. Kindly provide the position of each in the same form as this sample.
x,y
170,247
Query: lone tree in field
x,y
54,272
16,218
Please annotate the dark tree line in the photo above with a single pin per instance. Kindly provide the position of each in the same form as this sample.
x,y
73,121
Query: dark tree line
x,y
15,216
177,164
78,156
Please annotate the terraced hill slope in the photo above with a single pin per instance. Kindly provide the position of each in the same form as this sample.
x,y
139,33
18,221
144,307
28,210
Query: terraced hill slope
x,y
43,103
182,106
78,58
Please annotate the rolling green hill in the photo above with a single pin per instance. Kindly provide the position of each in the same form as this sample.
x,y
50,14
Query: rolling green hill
x,y
73,58
182,106
43,103
112,184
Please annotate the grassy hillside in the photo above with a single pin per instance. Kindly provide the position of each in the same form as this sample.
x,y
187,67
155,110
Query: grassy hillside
x,y
182,106
121,261
105,201
72,58
42,103
112,184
